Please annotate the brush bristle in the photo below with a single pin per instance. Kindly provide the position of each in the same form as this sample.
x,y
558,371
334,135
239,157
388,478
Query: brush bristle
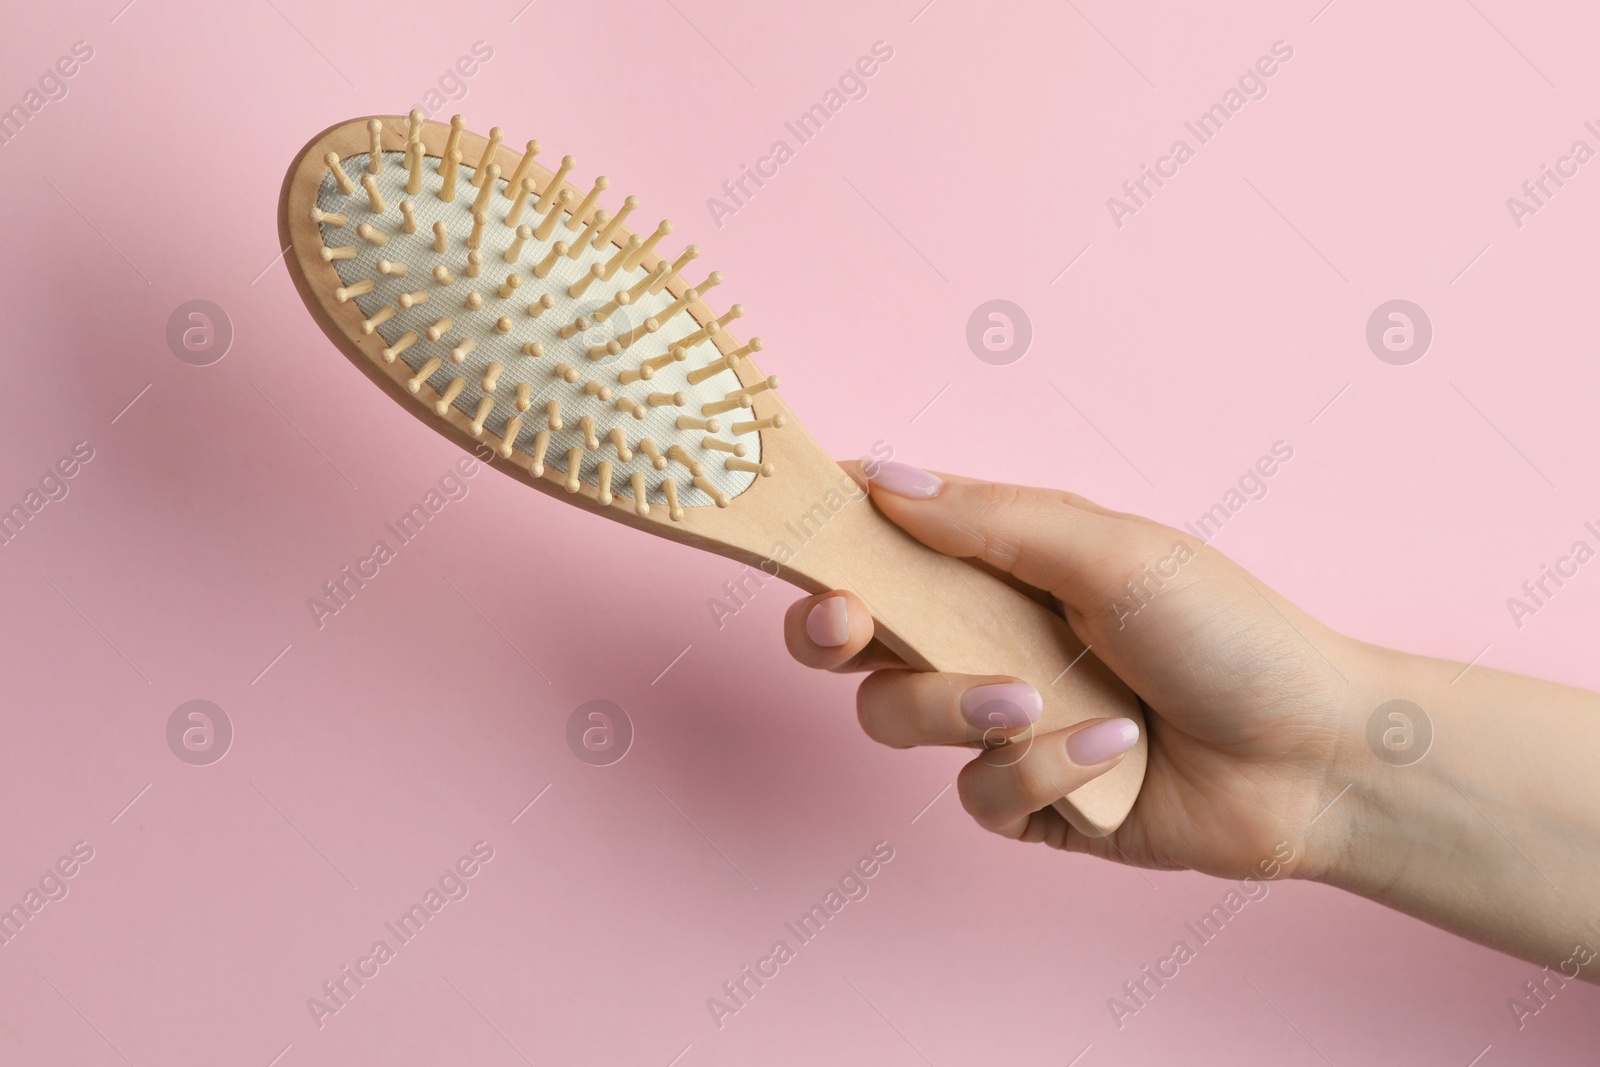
x,y
543,327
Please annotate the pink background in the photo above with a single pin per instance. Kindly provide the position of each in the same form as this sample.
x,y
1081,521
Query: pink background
x,y
368,756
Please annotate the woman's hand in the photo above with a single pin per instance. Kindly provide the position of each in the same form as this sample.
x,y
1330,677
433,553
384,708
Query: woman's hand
x,y
1260,759
1248,698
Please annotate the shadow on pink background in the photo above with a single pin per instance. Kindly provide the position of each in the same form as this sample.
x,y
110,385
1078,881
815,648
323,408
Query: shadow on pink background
x,y
1228,313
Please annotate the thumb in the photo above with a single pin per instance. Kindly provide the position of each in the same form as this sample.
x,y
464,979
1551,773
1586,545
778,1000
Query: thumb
x,y
1049,539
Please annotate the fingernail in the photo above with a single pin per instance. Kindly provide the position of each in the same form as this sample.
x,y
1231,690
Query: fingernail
x,y
1102,741
828,624
902,479
1004,706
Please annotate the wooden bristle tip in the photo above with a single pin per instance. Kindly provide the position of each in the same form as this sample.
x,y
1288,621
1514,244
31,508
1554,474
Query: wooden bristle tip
x,y
547,226
403,342
424,372
713,492
374,198
581,286
681,455
452,173
486,187
641,506
541,445
773,423
605,235
649,245
733,402
733,463
550,191
514,251
479,417
346,186
508,438
689,422
348,292
619,441
514,186
548,263
414,154
574,465
657,460
481,176
379,317
375,147
601,184
441,407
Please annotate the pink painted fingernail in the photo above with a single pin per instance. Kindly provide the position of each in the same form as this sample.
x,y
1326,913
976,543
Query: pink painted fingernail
x,y
1102,741
1004,706
902,479
828,624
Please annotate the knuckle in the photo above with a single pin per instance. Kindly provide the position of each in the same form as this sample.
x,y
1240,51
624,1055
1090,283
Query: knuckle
x,y
984,500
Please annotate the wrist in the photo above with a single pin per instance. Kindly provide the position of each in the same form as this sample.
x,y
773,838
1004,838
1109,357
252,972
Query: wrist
x,y
1380,761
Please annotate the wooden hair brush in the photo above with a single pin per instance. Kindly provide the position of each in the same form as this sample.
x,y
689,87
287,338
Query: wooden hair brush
x,y
507,309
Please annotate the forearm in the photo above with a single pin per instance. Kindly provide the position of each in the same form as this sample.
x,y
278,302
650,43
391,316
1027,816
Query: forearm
x,y
1494,834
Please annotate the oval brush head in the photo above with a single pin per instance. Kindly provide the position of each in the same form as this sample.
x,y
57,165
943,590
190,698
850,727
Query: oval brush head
x,y
505,299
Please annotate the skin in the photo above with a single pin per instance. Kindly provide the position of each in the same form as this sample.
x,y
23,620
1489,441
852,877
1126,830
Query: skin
x,y
1258,729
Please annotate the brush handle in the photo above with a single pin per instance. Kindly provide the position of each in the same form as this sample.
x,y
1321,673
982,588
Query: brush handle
x,y
945,614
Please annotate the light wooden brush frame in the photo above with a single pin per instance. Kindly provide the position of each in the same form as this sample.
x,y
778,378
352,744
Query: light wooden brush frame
x,y
935,612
